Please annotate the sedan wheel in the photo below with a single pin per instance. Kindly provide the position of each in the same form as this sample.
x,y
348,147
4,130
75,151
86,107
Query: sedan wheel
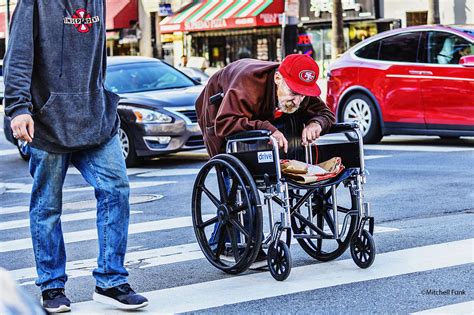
x,y
128,148
361,108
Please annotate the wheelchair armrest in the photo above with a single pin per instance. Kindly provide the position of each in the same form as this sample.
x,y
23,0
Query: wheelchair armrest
x,y
249,134
342,127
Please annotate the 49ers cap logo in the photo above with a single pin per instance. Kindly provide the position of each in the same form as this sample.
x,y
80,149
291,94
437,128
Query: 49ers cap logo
x,y
307,75
82,20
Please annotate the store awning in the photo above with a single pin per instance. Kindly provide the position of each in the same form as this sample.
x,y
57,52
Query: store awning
x,y
224,14
120,13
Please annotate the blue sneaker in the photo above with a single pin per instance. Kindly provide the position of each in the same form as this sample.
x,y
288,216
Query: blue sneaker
x,y
55,301
121,296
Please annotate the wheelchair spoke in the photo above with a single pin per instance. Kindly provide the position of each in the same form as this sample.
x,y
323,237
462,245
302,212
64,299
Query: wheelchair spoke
x,y
331,225
233,240
238,209
208,222
233,191
213,198
222,186
239,227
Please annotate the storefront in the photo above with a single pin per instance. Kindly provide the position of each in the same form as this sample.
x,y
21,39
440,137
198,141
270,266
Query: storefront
x,y
224,31
361,20
123,32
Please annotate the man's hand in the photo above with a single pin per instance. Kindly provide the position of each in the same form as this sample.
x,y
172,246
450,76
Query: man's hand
x,y
23,127
282,142
311,132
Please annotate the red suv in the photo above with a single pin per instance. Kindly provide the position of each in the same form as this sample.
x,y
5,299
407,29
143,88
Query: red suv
x,y
416,80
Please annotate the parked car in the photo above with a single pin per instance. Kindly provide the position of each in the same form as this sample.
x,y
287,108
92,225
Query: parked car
x,y
156,108
415,80
195,73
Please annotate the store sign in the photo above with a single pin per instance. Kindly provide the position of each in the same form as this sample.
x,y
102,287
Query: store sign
x,y
270,18
321,10
165,9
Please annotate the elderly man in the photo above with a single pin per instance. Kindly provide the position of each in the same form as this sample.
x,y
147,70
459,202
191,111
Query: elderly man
x,y
254,92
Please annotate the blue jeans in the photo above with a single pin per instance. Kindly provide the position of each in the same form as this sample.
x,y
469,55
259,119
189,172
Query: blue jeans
x,y
104,169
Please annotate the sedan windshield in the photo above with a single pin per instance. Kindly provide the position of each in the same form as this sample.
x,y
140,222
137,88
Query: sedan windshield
x,y
147,76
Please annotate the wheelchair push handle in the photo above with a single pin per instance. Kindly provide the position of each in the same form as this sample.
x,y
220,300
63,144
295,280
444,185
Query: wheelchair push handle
x,y
216,99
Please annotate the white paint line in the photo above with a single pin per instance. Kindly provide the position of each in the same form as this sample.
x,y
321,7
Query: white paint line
x,y
459,309
417,148
130,171
64,218
9,152
236,289
87,235
172,172
373,157
144,259
84,204
21,188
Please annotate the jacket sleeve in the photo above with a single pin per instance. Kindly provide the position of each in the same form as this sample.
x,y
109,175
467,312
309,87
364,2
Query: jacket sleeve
x,y
235,114
18,63
318,111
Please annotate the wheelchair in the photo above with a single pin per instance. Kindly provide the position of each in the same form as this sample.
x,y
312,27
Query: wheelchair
x,y
227,211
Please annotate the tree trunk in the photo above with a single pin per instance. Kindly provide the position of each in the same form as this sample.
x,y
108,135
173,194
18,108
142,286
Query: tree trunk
x,y
433,12
337,30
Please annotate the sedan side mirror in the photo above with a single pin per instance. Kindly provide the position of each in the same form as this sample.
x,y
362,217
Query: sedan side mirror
x,y
467,61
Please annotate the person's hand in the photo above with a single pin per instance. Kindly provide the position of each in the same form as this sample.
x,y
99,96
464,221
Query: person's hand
x,y
282,142
23,127
311,132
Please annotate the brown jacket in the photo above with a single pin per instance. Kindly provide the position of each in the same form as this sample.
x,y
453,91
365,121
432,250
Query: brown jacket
x,y
249,103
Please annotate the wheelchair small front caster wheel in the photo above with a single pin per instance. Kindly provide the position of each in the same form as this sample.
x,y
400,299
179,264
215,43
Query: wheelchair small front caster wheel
x,y
279,260
363,249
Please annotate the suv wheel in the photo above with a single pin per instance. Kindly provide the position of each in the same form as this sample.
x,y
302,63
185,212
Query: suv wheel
x,y
361,108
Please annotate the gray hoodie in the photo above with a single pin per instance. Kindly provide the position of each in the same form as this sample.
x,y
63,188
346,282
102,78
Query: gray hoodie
x,y
55,69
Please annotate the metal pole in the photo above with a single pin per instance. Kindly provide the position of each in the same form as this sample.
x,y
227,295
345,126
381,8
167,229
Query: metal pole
x,y
283,25
7,24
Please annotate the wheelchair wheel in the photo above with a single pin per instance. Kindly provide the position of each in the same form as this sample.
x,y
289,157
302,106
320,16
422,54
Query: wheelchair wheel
x,y
324,249
226,214
363,249
279,260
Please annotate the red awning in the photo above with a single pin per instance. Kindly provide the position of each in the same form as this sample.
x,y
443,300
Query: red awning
x,y
120,13
224,14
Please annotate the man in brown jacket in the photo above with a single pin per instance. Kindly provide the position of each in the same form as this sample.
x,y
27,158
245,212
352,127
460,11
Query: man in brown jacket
x,y
253,91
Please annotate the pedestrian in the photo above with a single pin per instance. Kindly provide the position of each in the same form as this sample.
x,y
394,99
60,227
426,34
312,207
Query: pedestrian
x,y
253,93
54,94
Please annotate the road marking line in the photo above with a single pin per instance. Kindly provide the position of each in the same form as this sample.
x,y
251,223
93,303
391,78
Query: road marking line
x,y
85,204
417,148
9,152
87,235
143,259
460,308
258,286
22,188
15,224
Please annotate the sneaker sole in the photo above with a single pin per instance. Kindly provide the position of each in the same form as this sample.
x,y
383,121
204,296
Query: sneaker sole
x,y
60,309
110,301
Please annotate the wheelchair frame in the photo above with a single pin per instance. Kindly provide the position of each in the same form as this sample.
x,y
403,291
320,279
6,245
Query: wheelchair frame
x,y
285,193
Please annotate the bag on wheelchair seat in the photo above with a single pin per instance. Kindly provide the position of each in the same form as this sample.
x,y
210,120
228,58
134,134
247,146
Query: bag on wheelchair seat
x,y
306,173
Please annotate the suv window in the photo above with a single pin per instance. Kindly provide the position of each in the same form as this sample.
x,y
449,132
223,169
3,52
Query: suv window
x,y
370,51
446,48
401,47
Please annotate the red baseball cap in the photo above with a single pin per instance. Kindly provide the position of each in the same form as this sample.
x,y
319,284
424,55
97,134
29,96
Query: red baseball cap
x,y
300,73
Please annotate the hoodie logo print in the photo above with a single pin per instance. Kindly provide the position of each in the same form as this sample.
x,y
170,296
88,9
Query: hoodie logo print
x,y
82,20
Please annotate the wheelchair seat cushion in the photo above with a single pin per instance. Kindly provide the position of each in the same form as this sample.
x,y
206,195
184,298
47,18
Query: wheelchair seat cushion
x,y
305,173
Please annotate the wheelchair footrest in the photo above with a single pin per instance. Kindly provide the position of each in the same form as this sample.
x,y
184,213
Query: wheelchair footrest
x,y
315,236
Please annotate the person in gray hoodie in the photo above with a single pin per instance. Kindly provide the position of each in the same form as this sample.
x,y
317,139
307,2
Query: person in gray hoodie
x,y
54,93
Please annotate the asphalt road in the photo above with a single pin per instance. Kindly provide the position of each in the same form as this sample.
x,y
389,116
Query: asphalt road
x,y
421,194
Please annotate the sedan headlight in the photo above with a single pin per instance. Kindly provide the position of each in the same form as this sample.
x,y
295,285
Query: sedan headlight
x,y
150,116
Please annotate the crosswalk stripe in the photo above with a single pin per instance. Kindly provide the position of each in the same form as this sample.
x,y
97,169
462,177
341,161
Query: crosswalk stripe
x,y
25,188
64,218
418,148
459,309
146,259
87,235
9,152
84,204
258,286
